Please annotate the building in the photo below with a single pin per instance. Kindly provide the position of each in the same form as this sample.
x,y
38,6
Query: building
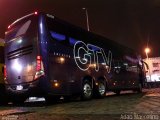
x,y
154,69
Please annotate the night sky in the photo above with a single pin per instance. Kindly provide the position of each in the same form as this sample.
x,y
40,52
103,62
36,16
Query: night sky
x,y
129,22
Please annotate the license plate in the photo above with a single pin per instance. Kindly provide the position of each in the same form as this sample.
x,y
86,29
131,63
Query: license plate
x,y
19,87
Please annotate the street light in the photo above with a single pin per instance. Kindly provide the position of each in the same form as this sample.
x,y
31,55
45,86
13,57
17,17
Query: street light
x,y
86,17
147,50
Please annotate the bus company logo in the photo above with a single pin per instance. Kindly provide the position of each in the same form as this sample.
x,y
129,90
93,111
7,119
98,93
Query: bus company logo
x,y
88,55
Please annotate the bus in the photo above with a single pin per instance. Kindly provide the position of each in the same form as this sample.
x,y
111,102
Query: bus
x,y
3,96
49,57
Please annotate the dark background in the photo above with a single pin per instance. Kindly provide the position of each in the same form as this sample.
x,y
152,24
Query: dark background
x,y
129,22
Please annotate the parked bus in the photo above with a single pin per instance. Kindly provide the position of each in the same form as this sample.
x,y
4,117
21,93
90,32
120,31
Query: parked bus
x,y
48,57
3,97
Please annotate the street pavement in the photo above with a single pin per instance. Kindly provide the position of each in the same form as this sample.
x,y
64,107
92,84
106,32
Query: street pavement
x,y
127,106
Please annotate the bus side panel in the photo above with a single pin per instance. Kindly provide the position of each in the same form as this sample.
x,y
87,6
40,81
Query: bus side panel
x,y
124,77
63,70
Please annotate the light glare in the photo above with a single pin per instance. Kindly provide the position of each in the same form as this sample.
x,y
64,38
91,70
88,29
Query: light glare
x,y
147,50
9,26
17,66
35,12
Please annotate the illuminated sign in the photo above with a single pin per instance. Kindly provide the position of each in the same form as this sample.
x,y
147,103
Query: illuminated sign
x,y
87,55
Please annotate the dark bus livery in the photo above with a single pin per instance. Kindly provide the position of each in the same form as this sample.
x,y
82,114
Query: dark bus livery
x,y
48,57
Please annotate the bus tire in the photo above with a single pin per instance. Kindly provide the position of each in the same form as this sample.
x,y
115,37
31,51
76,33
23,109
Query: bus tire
x,y
87,90
100,89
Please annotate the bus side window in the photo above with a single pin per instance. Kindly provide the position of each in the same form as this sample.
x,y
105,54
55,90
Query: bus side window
x,y
117,67
59,37
125,65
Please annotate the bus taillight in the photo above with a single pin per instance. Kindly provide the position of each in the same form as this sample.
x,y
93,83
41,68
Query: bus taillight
x,y
39,67
39,61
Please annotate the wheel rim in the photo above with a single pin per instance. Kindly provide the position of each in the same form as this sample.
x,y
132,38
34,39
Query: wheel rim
x,y
101,89
87,90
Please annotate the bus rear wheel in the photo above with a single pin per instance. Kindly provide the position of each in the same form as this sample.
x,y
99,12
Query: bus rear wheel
x,y
100,89
86,90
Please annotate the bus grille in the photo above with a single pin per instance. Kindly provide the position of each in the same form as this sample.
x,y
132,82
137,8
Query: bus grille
x,y
20,52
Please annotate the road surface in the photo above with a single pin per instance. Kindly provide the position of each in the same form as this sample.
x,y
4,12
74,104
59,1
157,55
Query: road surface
x,y
127,106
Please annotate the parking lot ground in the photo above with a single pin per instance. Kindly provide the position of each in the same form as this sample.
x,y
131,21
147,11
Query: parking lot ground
x,y
126,106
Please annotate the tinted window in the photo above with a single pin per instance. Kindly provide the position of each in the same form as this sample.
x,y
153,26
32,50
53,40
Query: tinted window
x,y
57,36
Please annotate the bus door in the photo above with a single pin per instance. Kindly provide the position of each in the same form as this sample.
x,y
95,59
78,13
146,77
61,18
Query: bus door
x,y
132,74
117,75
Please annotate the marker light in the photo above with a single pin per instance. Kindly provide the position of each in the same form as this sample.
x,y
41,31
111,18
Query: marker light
x,y
36,13
62,60
9,26
56,84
